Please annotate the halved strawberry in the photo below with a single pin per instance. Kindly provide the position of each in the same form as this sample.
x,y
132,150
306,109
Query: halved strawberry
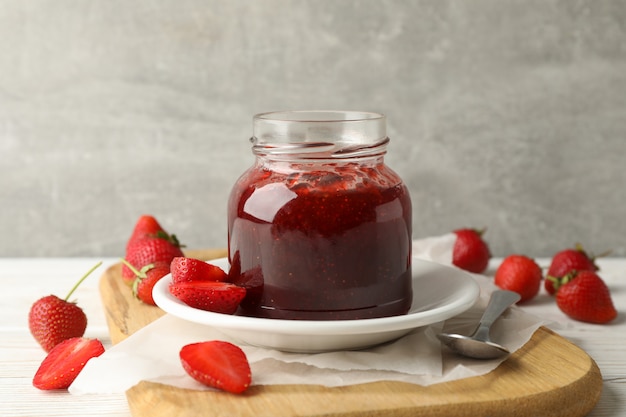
x,y
217,364
65,361
215,296
191,269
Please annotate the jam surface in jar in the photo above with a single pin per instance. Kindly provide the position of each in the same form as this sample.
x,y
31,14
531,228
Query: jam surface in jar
x,y
321,241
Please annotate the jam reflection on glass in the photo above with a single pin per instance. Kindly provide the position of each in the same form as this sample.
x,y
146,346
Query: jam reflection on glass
x,y
321,242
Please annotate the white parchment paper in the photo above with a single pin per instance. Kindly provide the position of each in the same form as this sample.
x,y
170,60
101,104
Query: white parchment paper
x,y
151,354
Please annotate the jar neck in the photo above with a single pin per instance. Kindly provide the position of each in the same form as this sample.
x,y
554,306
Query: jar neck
x,y
291,164
329,136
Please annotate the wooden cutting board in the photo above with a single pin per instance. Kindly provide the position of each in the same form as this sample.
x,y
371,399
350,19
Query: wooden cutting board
x,y
549,376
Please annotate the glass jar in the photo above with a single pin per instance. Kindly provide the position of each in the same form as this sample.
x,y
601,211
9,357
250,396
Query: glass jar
x,y
319,228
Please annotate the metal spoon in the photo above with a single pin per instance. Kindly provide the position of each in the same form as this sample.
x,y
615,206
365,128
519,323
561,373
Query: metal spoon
x,y
478,345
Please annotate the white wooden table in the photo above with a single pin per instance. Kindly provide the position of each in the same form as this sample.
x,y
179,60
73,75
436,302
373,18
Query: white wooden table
x,y
25,280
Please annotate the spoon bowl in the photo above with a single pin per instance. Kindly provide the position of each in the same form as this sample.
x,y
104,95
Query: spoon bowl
x,y
472,348
479,345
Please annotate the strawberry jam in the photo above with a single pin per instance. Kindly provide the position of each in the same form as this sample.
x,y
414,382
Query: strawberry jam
x,y
321,229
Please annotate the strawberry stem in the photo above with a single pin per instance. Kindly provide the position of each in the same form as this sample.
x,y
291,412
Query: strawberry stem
x,y
162,234
132,268
603,254
481,232
93,268
559,282
138,273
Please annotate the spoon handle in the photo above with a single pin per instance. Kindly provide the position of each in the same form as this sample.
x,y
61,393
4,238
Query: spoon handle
x,y
500,300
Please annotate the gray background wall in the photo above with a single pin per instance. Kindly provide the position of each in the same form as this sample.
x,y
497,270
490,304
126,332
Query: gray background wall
x,y
509,114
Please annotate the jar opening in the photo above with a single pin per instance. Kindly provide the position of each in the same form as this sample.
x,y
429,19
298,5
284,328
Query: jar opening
x,y
305,116
319,133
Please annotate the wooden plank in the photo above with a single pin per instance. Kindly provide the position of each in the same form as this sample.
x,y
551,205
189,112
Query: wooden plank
x,y
549,376
124,313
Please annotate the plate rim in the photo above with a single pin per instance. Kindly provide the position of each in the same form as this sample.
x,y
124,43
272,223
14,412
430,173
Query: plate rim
x,y
409,321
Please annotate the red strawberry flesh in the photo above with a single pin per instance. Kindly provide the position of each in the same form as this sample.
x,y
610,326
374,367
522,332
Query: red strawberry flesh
x,y
65,361
218,297
191,269
217,364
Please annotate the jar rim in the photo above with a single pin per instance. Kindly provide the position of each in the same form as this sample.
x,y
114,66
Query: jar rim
x,y
313,116
320,133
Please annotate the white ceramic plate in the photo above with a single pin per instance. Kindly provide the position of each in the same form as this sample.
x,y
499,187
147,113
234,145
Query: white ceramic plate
x,y
439,293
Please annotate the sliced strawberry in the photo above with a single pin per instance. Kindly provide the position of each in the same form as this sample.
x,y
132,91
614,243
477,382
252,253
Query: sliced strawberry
x,y
217,364
218,297
190,269
65,361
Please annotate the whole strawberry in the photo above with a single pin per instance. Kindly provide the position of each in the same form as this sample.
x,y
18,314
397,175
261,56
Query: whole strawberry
x,y
584,296
52,320
470,251
150,251
146,278
146,226
566,261
521,274
149,243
